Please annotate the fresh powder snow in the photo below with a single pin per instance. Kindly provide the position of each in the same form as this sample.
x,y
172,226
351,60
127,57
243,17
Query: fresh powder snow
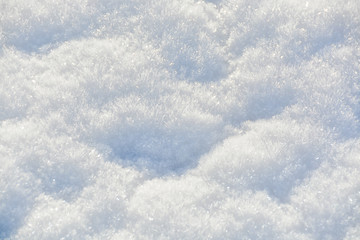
x,y
169,119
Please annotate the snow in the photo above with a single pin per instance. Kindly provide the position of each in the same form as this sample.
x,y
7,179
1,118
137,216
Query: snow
x,y
174,119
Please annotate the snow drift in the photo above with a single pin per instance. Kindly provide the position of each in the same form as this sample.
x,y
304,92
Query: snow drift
x,y
190,119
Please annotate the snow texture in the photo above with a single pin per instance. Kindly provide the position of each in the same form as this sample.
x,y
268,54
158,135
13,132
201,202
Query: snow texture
x,y
169,119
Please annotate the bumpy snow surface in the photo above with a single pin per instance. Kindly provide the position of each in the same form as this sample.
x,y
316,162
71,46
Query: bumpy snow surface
x,y
179,119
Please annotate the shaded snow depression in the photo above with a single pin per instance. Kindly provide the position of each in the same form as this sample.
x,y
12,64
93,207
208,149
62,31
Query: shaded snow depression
x,y
169,119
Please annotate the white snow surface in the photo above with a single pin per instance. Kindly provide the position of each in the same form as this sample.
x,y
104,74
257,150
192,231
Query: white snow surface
x,y
169,119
